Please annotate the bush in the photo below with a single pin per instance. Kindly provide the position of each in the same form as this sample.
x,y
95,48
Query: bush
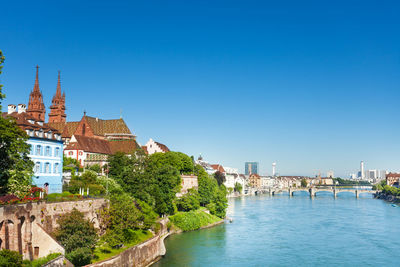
x,y
110,184
41,261
80,256
189,201
9,258
192,220
96,168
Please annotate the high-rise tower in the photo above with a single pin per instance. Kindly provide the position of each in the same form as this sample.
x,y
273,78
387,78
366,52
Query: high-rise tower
x,y
362,173
35,106
57,108
274,169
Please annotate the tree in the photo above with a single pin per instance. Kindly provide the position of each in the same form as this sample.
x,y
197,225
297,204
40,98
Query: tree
x,y
220,177
123,216
165,185
87,180
9,258
154,179
212,196
95,167
238,187
75,232
14,160
303,182
189,201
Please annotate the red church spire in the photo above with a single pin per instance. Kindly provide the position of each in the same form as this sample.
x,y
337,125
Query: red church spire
x,y
36,107
36,86
57,108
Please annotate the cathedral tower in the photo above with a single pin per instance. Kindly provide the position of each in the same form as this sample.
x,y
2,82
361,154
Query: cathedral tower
x,y
35,106
57,108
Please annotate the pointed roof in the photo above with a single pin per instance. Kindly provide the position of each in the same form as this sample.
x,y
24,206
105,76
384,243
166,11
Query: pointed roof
x,y
36,86
58,91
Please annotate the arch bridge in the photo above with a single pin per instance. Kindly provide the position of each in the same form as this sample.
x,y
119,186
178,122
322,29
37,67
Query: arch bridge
x,y
314,190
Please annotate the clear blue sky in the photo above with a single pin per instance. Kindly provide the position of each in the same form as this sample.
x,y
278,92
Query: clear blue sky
x,y
313,85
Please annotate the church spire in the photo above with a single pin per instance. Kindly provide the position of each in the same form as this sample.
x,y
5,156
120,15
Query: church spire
x,y
36,86
58,90
36,106
57,108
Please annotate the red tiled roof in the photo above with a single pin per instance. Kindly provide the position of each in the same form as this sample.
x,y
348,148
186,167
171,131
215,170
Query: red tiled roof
x,y
66,129
102,127
218,167
22,120
125,146
392,174
163,147
90,144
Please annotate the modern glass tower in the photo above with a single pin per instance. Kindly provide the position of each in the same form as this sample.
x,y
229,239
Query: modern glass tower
x,y
250,168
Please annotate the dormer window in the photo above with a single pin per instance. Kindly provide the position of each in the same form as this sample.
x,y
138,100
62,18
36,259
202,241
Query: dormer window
x,y
41,133
49,135
31,121
40,123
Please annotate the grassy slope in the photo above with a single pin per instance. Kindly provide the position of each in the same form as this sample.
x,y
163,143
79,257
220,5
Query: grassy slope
x,y
193,220
102,253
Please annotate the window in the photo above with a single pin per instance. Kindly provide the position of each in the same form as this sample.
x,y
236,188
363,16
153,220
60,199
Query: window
x,y
47,151
80,153
38,150
70,153
56,152
56,166
47,167
37,167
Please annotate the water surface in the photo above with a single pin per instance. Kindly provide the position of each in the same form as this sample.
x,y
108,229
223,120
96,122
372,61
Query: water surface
x,y
296,231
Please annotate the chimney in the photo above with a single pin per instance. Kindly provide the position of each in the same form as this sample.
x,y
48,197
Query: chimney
x,y
11,108
21,108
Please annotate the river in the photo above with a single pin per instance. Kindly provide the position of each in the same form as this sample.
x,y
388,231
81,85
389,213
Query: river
x,y
294,231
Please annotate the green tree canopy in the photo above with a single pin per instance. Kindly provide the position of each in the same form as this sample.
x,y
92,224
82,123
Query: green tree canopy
x,y
77,235
15,165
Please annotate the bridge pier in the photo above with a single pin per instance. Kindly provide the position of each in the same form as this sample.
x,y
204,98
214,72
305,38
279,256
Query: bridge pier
x,y
312,192
334,193
357,194
290,192
270,192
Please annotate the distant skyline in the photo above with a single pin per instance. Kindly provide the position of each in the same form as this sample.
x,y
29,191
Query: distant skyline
x,y
311,85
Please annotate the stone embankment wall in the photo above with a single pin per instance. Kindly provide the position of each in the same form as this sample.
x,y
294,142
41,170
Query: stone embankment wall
x,y
140,255
26,227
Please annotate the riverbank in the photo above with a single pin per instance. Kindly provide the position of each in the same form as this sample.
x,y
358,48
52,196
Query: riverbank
x,y
387,197
270,230
152,250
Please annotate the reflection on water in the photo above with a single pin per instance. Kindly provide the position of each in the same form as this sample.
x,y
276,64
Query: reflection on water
x,y
294,231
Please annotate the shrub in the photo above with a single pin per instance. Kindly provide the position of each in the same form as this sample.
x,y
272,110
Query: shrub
x,y
10,258
80,256
40,261
192,220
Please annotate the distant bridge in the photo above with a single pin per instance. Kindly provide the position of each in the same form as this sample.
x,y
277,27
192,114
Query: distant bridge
x,y
314,190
